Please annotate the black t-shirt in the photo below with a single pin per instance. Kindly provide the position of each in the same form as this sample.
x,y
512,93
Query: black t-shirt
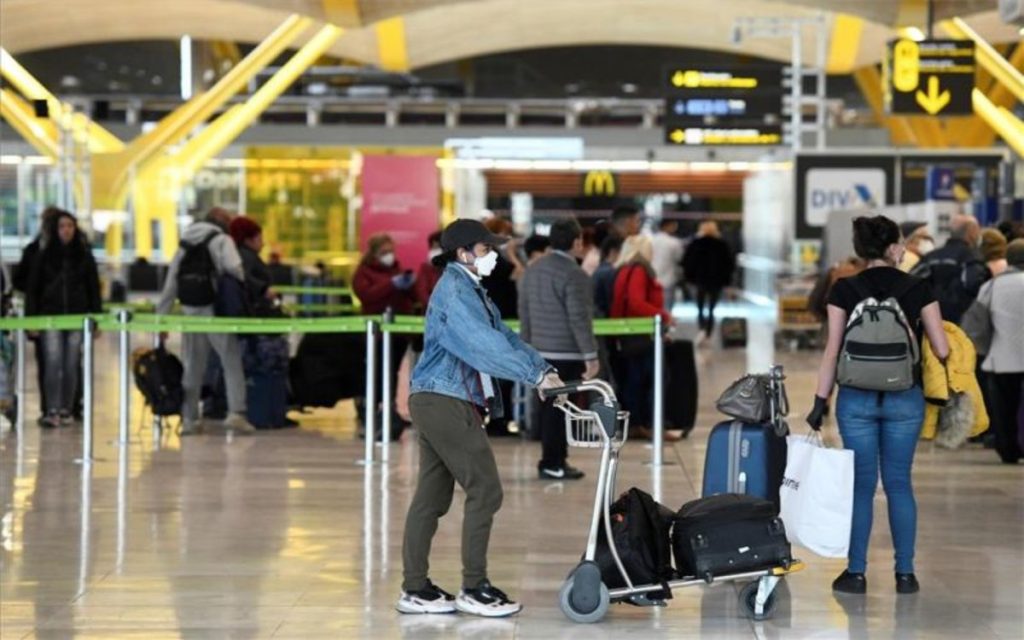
x,y
879,282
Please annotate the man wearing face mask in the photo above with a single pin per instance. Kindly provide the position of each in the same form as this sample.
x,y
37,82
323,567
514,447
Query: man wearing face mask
x,y
466,346
919,243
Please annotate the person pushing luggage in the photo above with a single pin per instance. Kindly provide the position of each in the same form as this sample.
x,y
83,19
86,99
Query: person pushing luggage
x,y
466,346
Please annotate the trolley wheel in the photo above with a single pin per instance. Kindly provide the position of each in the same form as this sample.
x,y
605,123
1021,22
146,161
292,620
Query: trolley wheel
x,y
748,603
595,597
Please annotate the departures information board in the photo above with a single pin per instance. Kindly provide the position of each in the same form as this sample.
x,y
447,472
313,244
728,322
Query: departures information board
x,y
929,77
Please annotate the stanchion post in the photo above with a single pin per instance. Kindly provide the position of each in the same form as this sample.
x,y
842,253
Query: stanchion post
x,y
387,392
124,316
19,382
371,392
88,326
158,424
659,391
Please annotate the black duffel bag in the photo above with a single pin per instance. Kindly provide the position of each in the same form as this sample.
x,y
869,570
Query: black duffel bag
x,y
728,533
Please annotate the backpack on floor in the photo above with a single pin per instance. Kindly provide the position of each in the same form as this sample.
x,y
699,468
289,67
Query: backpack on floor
x,y
640,533
197,274
158,375
879,350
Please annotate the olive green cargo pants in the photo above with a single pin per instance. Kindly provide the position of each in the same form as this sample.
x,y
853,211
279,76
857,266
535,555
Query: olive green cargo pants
x,y
453,448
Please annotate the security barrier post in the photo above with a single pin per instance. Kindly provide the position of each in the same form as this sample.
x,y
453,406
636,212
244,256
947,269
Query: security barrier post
x,y
371,392
19,383
123,318
88,327
659,390
386,391
157,420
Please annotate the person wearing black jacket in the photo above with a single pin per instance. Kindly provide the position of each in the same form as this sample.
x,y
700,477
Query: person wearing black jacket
x,y
955,271
63,280
708,264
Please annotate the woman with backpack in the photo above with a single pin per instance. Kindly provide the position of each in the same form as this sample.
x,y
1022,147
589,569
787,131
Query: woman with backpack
x,y
63,280
876,321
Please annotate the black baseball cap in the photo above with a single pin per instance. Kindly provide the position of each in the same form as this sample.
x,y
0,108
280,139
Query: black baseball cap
x,y
466,233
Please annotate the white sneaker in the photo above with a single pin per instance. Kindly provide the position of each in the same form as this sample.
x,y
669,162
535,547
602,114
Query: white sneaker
x,y
430,599
238,422
486,601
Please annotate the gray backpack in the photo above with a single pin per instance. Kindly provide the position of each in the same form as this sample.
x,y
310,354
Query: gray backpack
x,y
879,350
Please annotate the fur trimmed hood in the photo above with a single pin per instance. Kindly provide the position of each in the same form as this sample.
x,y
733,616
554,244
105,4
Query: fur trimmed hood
x,y
955,410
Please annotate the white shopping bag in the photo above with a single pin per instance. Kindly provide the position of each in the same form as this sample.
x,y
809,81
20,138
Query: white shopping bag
x,y
817,496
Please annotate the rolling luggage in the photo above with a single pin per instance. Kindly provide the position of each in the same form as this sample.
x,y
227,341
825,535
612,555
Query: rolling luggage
x,y
744,458
726,534
328,367
265,360
158,375
680,386
734,332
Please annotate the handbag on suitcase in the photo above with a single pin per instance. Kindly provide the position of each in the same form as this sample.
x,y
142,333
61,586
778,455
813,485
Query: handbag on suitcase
x,y
727,534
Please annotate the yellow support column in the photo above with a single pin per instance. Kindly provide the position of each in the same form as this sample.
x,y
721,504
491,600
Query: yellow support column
x,y
1008,126
988,57
41,134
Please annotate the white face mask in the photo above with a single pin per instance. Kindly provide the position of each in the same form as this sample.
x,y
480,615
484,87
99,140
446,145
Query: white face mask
x,y
925,246
387,259
485,264
433,253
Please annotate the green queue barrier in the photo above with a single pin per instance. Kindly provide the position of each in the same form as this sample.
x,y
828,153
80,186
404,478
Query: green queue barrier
x,y
289,289
602,326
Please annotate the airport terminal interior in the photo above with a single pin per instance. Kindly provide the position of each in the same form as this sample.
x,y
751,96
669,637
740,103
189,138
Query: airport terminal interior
x,y
364,318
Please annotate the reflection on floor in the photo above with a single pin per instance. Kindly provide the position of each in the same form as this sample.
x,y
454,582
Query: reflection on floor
x,y
282,535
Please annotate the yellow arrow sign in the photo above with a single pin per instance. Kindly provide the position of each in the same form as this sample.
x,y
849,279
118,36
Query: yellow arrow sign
x,y
935,100
677,136
678,78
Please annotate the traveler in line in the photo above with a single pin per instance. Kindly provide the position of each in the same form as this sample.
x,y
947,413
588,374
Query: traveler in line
x,y
429,274
956,271
637,294
919,242
381,284
882,428
466,346
502,287
708,265
536,247
248,237
63,280
1004,364
207,255
993,251
668,259
556,316
626,222
604,277
19,281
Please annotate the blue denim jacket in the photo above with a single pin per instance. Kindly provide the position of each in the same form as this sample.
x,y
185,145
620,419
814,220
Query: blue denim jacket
x,y
460,342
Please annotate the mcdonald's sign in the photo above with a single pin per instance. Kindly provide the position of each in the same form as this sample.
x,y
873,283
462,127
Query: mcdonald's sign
x,y
599,183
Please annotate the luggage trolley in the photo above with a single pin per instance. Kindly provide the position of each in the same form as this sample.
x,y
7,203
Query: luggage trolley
x,y
584,597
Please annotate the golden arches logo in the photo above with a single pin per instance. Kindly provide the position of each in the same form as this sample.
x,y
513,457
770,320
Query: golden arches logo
x,y
599,183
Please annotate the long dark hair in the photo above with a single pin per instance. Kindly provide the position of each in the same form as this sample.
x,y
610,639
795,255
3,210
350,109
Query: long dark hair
x,y
78,246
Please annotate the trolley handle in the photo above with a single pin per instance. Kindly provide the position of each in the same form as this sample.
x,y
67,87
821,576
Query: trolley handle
x,y
596,386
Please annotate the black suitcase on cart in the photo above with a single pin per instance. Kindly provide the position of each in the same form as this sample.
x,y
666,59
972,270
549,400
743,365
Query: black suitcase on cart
x,y
728,533
680,386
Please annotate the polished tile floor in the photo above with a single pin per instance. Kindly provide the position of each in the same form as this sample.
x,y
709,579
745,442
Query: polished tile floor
x,y
283,535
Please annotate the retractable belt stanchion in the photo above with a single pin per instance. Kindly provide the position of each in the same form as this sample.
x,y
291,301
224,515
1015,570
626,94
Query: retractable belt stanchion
x,y
659,393
371,392
88,328
158,422
124,316
19,382
387,391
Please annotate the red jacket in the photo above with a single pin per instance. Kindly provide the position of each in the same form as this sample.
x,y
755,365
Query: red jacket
x,y
637,294
372,285
426,280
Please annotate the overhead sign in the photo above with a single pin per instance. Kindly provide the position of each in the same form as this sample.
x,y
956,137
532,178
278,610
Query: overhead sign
x,y
930,77
838,189
724,135
508,148
723,105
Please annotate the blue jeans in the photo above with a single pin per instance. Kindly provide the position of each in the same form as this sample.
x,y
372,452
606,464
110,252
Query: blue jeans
x,y
638,389
882,434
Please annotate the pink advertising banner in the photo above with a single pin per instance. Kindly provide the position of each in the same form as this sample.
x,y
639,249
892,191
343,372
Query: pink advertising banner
x,y
400,198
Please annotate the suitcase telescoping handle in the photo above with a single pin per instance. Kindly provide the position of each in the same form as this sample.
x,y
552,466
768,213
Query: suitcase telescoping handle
x,y
596,386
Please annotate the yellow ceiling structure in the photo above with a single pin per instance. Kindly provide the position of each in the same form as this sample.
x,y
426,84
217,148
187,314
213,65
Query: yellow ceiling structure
x,y
417,33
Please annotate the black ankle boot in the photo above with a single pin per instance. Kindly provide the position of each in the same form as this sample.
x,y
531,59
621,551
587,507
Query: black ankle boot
x,y
907,583
854,583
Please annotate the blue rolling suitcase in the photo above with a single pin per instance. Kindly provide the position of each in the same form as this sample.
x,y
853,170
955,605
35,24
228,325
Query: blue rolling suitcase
x,y
266,399
744,458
